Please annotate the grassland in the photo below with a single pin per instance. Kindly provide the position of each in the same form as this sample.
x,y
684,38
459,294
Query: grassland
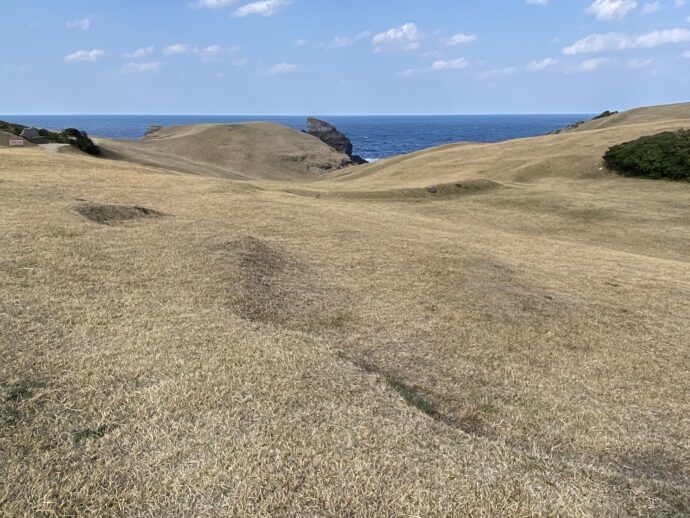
x,y
473,330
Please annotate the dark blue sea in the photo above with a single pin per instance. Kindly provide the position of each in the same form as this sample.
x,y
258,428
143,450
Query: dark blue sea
x,y
373,137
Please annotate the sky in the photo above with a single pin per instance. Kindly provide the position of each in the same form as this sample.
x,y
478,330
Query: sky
x,y
283,57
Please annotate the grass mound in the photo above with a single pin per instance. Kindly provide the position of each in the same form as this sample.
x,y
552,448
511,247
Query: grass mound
x,y
666,155
107,214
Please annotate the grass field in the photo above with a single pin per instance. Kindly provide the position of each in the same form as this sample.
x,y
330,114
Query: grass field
x,y
473,330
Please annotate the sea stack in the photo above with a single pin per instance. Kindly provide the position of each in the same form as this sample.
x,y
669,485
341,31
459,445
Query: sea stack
x,y
331,136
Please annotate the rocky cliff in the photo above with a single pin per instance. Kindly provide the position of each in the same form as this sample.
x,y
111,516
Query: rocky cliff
x,y
331,136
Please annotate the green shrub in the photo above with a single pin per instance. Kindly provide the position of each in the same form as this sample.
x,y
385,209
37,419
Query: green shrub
x,y
86,145
72,132
666,155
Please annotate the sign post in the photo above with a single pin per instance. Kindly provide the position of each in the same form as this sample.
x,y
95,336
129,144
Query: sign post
x,y
16,142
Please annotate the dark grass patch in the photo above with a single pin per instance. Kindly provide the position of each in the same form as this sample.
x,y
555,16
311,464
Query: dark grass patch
x,y
86,434
268,285
108,214
13,396
432,192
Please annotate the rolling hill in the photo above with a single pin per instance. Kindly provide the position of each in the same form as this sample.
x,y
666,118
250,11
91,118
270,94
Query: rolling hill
x,y
234,151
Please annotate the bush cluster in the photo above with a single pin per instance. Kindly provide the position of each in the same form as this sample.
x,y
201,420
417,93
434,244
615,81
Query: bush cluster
x,y
666,155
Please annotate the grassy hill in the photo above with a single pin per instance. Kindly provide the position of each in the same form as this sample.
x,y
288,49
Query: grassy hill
x,y
345,344
234,151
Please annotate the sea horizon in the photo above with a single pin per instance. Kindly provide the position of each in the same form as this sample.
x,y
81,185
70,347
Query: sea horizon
x,y
374,136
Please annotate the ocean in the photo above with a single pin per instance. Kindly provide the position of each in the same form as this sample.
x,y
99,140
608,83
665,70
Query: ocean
x,y
373,137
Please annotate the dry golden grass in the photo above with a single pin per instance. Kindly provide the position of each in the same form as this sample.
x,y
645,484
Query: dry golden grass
x,y
358,346
258,150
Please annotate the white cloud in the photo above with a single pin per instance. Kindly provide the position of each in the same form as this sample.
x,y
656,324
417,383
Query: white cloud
x,y
300,43
405,37
262,8
139,53
153,66
686,54
591,65
459,39
679,3
453,64
207,53
538,66
82,23
281,68
651,8
537,2
212,4
85,55
347,41
622,41
657,38
599,42
177,48
611,9
437,66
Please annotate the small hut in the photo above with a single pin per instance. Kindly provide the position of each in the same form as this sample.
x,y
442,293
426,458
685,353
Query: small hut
x,y
30,133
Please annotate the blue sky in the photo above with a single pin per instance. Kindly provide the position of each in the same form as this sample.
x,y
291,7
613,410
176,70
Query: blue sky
x,y
335,57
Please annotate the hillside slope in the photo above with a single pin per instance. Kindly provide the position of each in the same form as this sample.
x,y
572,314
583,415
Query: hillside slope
x,y
183,345
571,154
5,138
259,151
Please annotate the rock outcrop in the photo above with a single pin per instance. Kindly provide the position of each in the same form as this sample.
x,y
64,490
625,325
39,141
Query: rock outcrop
x,y
152,130
331,136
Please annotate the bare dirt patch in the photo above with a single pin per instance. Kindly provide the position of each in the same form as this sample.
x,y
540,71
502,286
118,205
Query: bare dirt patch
x,y
109,214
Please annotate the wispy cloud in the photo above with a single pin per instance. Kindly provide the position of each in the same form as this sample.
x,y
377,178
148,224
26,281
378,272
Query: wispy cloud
x,y
347,41
212,4
139,53
651,8
459,39
80,23
606,10
281,68
129,68
437,66
622,41
177,48
85,55
639,63
591,65
538,66
261,8
405,37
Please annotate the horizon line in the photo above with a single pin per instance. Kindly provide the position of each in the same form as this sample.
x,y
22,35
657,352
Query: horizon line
x,y
289,114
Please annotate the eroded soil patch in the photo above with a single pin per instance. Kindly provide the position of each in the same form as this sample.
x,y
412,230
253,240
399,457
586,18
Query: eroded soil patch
x,y
109,214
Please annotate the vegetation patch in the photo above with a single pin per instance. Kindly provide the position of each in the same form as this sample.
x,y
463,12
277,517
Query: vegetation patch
x,y
666,155
108,214
270,286
577,124
72,136
13,395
